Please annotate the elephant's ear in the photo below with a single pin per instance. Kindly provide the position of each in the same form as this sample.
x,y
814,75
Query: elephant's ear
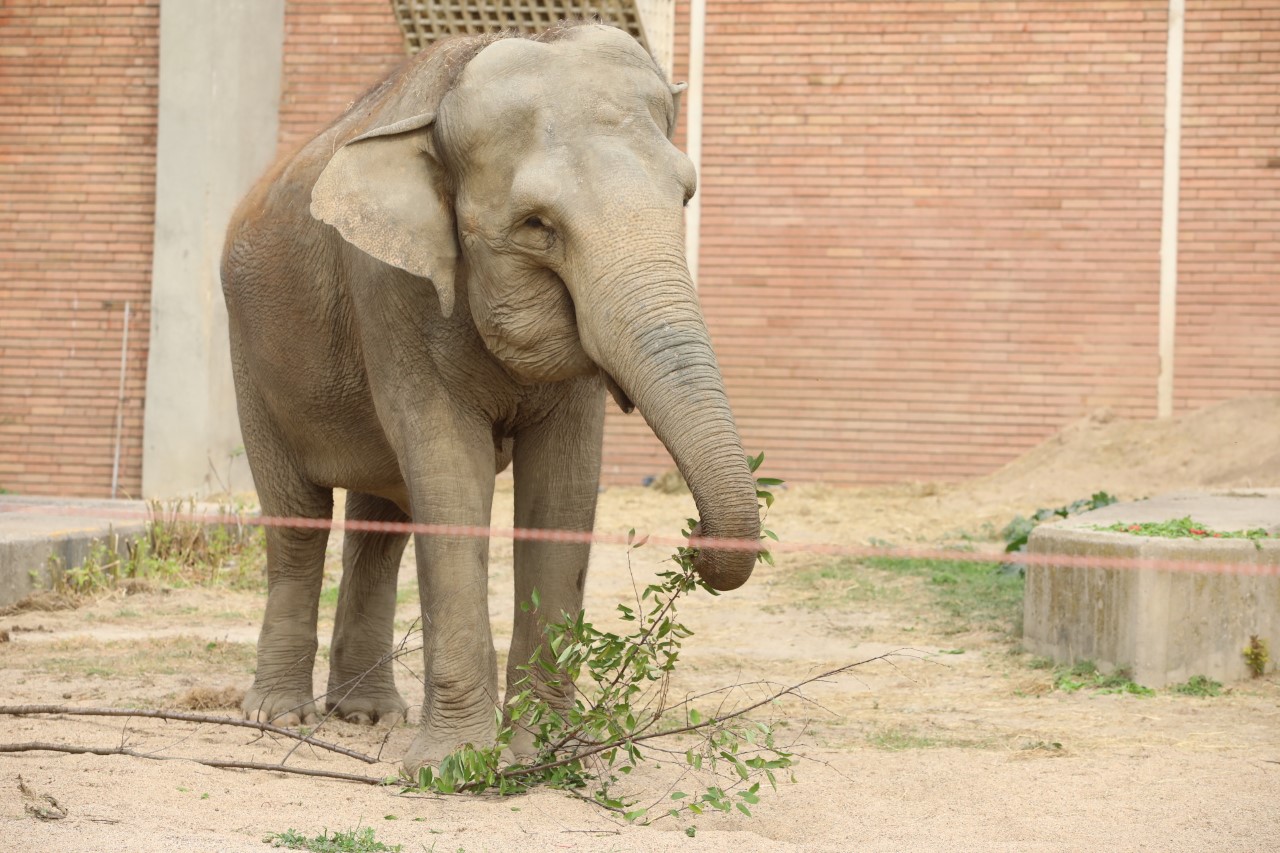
x,y
385,193
677,96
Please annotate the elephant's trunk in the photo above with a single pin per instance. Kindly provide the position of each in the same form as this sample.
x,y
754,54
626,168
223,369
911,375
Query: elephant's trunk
x,y
646,331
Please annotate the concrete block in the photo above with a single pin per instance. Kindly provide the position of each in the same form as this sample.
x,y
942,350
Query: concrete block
x,y
38,533
1165,626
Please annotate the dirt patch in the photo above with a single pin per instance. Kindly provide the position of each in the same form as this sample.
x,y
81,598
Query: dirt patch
x,y
961,743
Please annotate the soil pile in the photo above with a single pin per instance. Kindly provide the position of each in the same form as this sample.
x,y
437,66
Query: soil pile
x,y
1231,444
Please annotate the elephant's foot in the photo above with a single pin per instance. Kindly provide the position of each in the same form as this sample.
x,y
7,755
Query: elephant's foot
x,y
433,743
367,709
285,708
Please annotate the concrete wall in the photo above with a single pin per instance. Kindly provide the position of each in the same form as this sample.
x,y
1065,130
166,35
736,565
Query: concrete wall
x,y
220,68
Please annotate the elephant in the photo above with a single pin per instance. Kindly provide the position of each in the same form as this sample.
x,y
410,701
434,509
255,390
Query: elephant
x,y
446,281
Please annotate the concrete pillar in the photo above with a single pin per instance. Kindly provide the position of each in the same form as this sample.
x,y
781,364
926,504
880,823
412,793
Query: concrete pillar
x,y
220,66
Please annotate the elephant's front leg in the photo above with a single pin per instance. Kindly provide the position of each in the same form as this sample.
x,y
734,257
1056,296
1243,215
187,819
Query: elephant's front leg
x,y
557,474
451,483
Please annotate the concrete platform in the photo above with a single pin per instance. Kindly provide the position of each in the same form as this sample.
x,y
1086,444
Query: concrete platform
x,y
35,532
1165,626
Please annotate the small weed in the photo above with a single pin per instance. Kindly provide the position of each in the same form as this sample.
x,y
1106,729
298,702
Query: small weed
x,y
1256,656
353,841
1040,663
1198,685
1043,745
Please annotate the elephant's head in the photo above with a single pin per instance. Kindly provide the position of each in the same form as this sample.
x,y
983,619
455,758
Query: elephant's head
x,y
536,180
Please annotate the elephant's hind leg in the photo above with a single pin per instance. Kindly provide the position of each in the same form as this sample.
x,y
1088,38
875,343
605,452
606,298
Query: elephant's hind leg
x,y
362,686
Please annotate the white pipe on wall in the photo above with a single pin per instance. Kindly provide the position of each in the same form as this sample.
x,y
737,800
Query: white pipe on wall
x,y
1169,207
693,136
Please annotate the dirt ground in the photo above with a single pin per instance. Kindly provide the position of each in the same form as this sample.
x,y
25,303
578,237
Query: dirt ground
x,y
960,743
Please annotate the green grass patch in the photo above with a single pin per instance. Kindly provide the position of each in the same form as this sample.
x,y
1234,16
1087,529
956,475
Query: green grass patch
x,y
404,595
897,739
1198,685
152,656
1185,528
353,841
1084,675
972,594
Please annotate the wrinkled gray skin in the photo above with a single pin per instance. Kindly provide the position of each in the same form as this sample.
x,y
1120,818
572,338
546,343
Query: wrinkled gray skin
x,y
444,281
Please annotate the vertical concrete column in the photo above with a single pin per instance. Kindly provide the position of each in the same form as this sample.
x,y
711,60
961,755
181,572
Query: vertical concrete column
x,y
1168,322
220,67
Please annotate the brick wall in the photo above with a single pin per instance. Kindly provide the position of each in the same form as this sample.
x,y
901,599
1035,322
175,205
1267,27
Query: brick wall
x,y
1228,330
77,189
930,230
333,51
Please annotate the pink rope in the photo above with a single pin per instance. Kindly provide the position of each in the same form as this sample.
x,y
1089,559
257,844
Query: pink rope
x,y
1076,561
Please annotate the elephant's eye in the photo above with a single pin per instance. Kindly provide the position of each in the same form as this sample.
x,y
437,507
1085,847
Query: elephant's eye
x,y
534,233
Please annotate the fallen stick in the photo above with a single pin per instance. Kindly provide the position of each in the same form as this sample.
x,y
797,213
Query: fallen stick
x,y
23,710
37,746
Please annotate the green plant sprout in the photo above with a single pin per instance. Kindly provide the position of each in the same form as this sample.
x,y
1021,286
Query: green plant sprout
x,y
621,710
1256,656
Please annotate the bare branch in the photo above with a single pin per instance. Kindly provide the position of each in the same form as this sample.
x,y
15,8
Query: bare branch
x,y
23,710
37,746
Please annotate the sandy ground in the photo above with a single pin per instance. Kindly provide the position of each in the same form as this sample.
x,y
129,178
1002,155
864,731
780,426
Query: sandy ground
x,y
933,750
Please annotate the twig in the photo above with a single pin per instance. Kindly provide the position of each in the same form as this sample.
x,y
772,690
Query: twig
x,y
37,746
21,710
517,772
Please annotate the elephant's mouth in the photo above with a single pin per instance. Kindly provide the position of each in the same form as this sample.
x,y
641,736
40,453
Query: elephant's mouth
x,y
619,396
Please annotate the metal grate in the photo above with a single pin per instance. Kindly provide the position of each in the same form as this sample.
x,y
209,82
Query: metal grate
x,y
425,21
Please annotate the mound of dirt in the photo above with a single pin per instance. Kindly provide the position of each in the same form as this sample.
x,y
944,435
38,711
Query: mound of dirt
x,y
1236,443
1231,444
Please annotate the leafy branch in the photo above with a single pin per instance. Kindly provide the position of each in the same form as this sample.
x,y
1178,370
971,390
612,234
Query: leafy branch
x,y
586,743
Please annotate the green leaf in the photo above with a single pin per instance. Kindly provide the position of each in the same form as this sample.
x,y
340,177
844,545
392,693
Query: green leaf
x,y
678,795
754,462
742,807
634,815
769,481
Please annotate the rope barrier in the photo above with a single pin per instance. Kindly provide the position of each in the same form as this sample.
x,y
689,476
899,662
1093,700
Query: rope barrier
x,y
1265,563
